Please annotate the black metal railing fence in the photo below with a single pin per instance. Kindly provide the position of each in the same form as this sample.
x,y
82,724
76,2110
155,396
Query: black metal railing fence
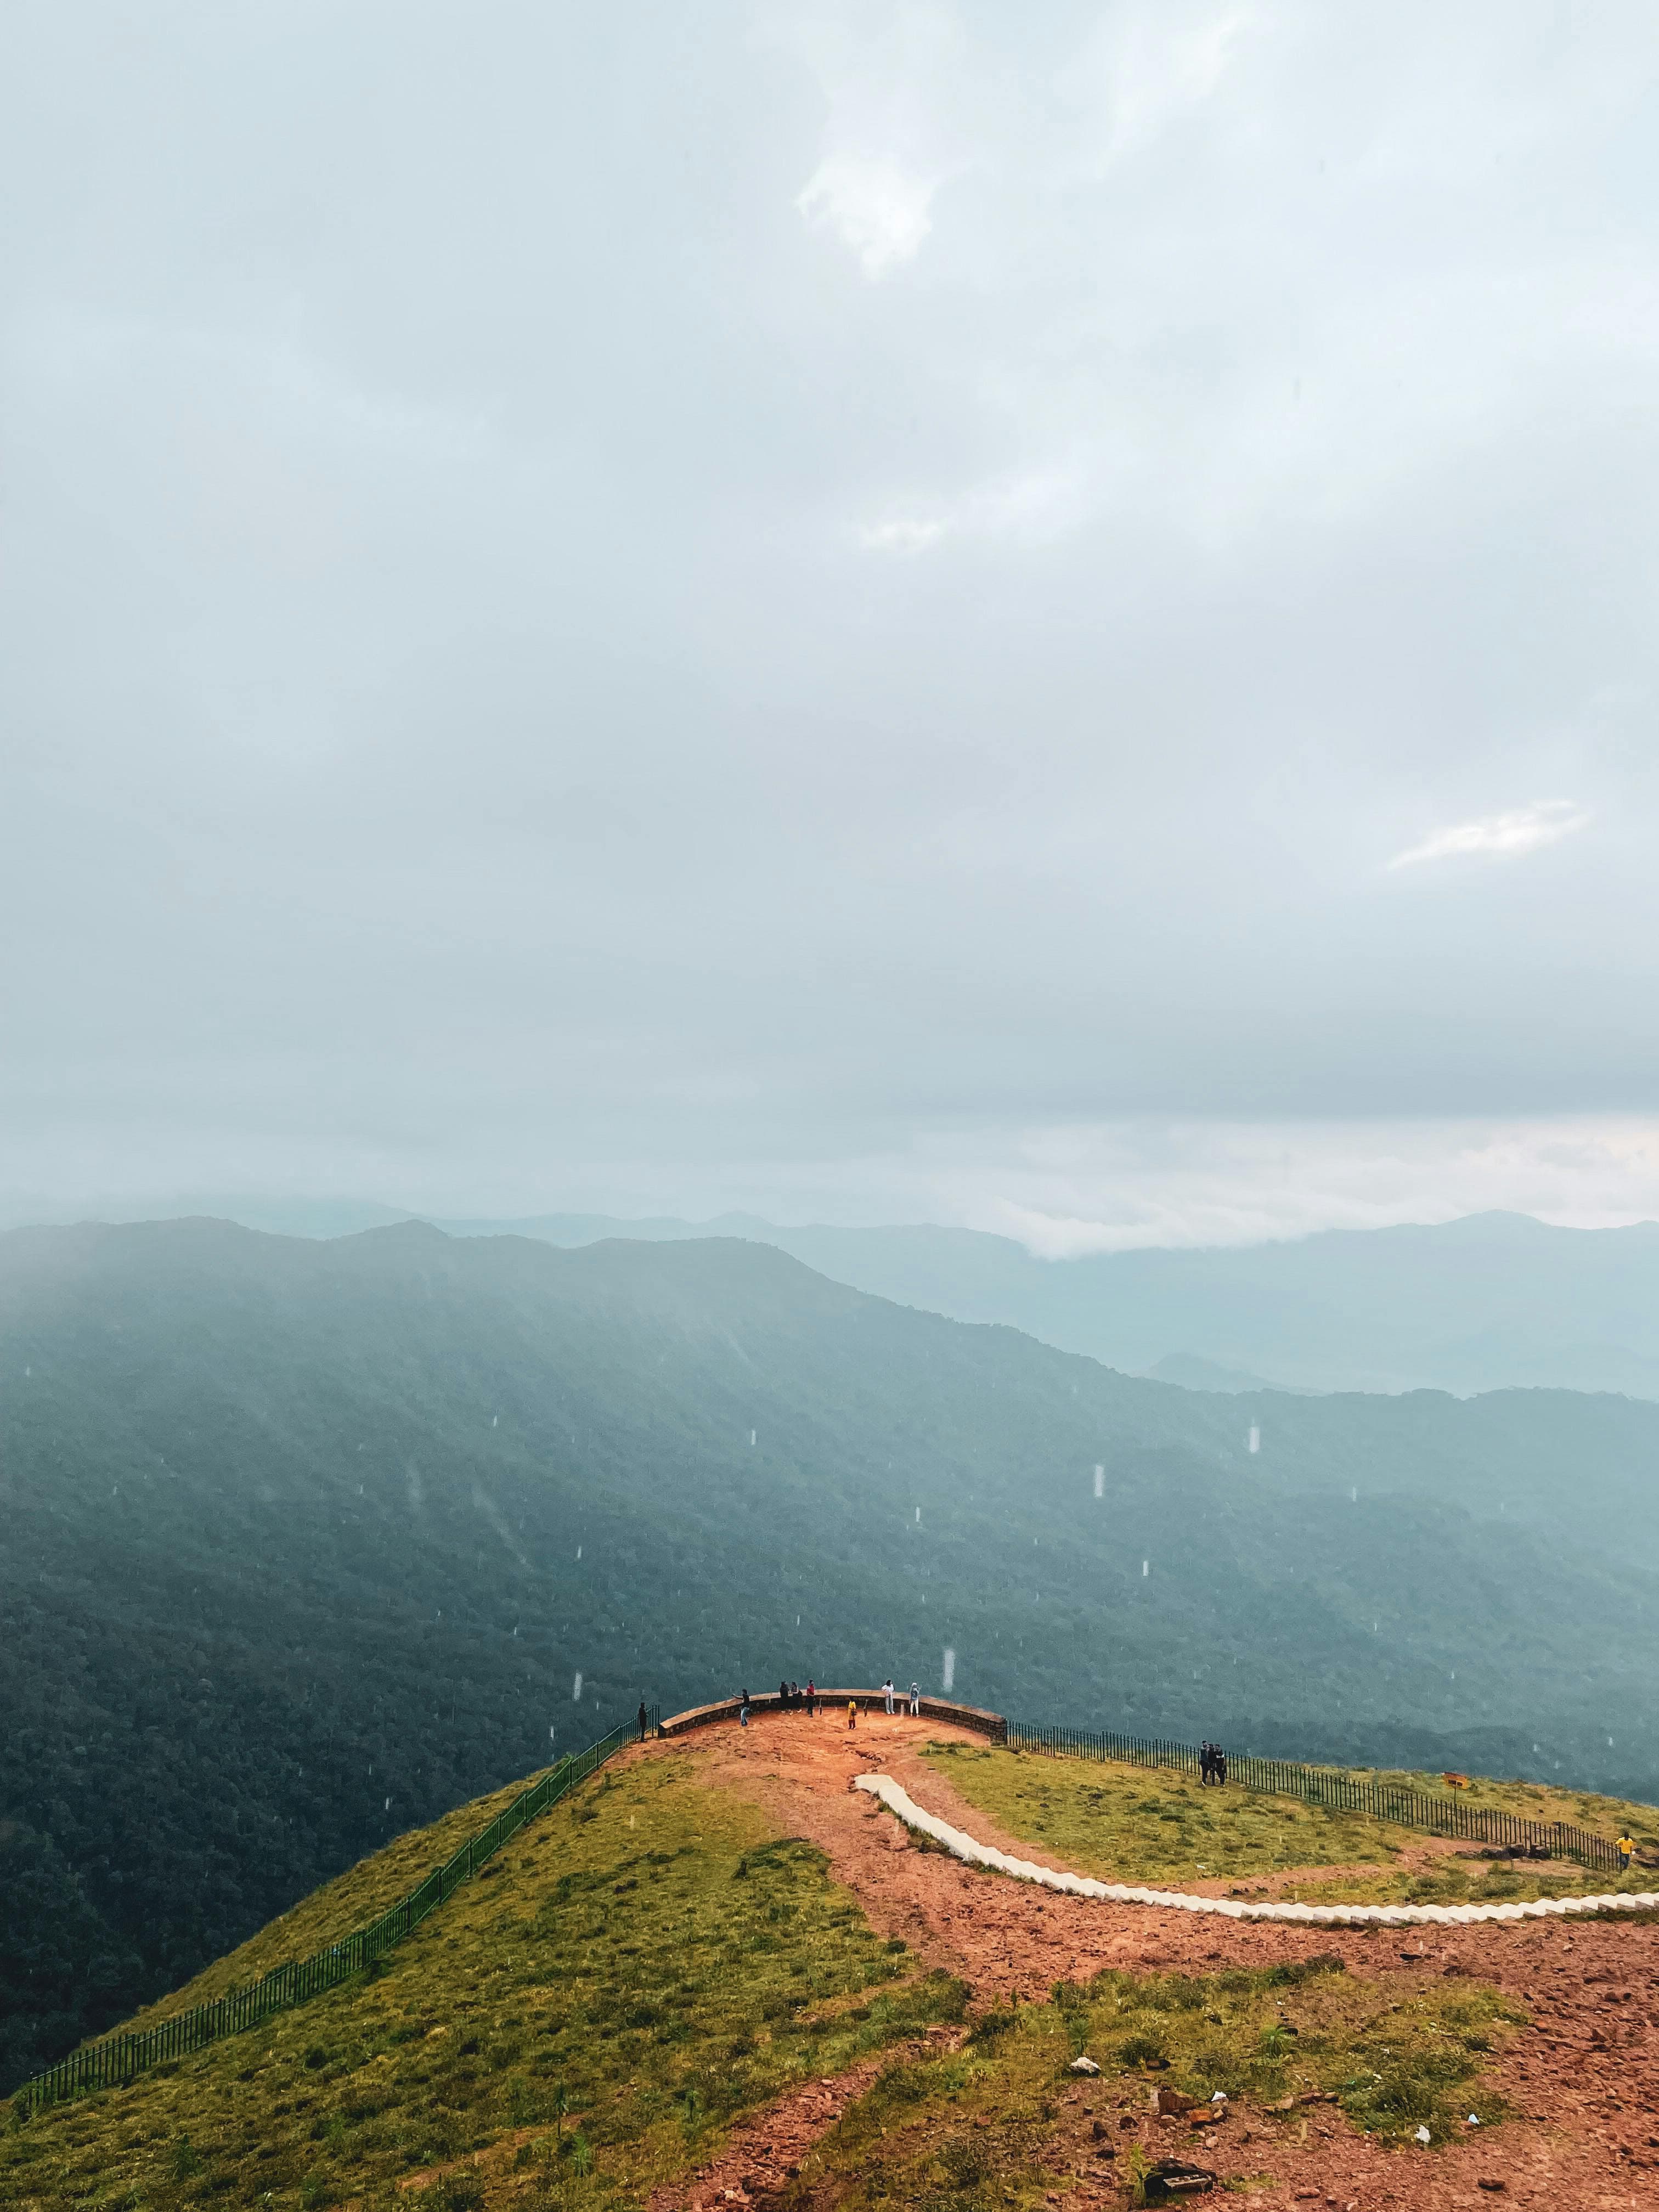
x,y
117,2058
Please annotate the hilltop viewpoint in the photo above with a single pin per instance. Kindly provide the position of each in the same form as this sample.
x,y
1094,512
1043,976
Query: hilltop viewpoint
x,y
716,1974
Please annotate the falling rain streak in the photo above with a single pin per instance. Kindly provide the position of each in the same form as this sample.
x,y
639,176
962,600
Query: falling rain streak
x,y
949,1670
1256,1438
1100,1482
576,1693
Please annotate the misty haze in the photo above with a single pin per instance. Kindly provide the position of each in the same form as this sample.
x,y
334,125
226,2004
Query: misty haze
x,y
830,1121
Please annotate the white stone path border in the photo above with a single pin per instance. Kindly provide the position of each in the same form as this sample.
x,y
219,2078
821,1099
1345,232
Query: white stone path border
x,y
963,1846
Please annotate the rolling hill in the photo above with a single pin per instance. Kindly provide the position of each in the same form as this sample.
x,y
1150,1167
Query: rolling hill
x,y
1490,1302
307,1541
715,1975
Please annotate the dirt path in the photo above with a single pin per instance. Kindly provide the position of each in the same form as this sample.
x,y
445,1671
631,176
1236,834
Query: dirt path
x,y
1583,2078
766,2152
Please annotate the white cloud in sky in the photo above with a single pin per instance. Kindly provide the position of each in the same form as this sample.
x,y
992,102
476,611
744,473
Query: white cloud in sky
x,y
1159,63
1521,830
880,212
504,735
1131,1185
1035,505
903,533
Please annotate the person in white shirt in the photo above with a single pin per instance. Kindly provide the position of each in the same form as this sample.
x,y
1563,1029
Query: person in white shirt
x,y
887,1693
915,1701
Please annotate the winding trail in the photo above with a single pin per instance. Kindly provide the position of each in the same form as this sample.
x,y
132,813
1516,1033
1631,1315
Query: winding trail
x,y
1582,2080
961,1845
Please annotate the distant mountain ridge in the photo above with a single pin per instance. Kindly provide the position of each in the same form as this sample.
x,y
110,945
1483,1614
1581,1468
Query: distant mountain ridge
x,y
306,1540
1490,1302
1189,1373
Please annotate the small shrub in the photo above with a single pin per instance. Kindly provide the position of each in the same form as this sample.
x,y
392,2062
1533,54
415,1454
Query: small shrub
x,y
965,2161
904,2084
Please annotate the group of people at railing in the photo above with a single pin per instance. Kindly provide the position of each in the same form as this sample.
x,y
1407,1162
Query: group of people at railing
x,y
793,1698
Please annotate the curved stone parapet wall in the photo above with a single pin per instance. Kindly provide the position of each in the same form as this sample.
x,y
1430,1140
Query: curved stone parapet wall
x,y
768,1701
974,1853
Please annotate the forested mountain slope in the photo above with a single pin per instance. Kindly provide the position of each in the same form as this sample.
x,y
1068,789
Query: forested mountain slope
x,y
1490,1302
307,1541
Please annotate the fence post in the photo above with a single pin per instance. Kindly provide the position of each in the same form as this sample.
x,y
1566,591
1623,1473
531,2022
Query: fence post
x,y
119,2057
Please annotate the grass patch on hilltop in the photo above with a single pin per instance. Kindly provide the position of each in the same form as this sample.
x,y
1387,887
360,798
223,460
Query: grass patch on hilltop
x,y
636,1968
1398,2053
1537,1800
1156,1824
358,1897
1002,2121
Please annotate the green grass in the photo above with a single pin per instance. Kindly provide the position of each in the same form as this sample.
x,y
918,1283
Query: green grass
x,y
636,1968
1398,2055
1536,1800
1002,2121
1156,1824
360,1895
652,1960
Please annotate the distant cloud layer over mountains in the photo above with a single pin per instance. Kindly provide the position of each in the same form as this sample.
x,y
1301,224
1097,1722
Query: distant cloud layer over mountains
x,y
1044,618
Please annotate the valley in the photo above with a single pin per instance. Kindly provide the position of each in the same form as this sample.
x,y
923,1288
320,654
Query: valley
x,y
308,1542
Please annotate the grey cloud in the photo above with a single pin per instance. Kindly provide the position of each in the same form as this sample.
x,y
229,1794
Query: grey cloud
x,y
534,638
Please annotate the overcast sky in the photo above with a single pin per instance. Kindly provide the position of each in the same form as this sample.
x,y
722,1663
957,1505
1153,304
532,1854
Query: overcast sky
x,y
1042,616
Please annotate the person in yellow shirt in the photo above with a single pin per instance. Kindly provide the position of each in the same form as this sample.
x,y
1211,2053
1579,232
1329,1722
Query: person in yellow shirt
x,y
852,1713
1626,1850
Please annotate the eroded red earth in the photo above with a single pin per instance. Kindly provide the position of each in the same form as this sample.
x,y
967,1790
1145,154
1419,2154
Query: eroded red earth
x,y
1583,2080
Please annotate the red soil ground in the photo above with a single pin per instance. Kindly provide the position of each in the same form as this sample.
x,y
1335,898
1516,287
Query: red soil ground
x,y
1583,2080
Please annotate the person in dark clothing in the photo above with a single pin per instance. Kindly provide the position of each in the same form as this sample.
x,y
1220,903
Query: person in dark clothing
x,y
783,1697
643,1720
1219,1766
1204,1762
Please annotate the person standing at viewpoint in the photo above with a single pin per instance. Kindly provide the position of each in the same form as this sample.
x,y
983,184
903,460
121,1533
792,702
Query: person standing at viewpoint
x,y
887,1693
915,1701
852,1712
